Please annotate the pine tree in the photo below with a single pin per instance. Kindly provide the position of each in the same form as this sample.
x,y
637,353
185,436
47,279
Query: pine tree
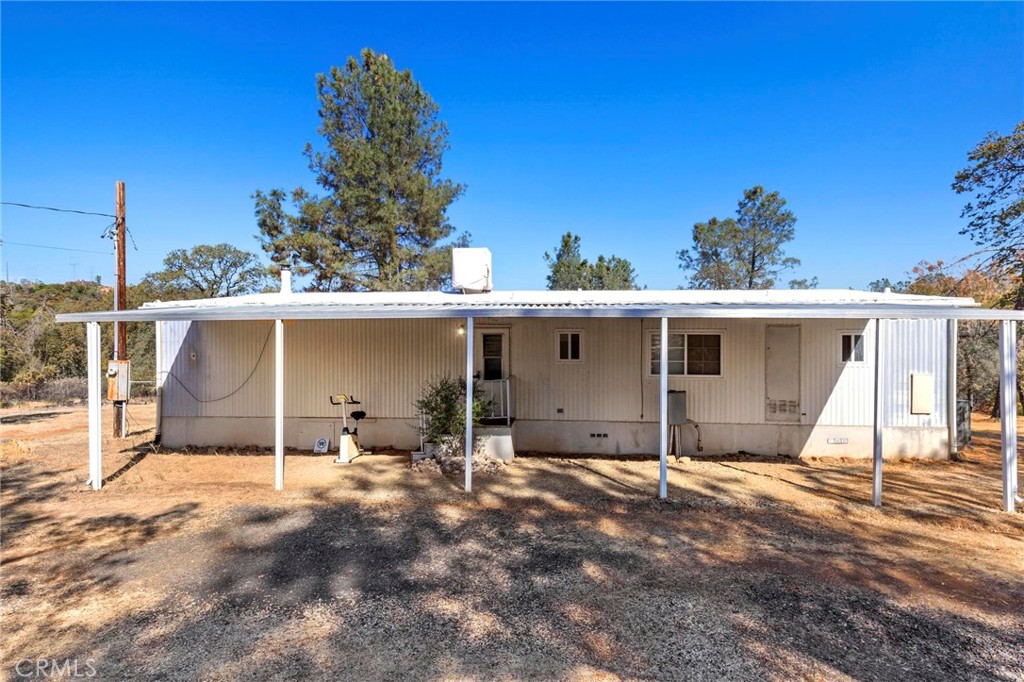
x,y
381,221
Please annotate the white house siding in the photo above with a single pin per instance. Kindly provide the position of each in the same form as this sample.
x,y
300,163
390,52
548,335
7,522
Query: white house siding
x,y
384,363
915,346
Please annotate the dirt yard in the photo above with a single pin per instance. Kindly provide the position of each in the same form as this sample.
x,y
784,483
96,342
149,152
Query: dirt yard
x,y
191,566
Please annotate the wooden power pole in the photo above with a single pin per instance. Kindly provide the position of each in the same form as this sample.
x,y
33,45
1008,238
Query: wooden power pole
x,y
120,303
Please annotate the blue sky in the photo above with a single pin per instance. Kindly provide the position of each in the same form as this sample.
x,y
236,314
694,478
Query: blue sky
x,y
623,123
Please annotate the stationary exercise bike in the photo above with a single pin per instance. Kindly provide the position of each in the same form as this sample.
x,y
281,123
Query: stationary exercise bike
x,y
348,441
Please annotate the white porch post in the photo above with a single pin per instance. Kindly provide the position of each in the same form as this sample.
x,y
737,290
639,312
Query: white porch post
x,y
469,404
951,340
1008,409
279,404
663,405
876,496
92,338
158,332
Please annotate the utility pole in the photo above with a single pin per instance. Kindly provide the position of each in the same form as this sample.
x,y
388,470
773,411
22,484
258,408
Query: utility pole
x,y
120,346
120,397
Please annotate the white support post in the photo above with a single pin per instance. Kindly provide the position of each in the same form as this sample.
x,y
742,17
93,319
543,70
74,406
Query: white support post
x,y
161,375
469,404
1008,409
876,496
508,401
92,337
663,405
951,340
279,404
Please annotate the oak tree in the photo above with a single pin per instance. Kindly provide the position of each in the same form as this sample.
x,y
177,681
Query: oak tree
x,y
207,271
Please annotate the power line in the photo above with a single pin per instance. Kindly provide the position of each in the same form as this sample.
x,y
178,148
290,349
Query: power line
x,y
4,242
266,342
58,210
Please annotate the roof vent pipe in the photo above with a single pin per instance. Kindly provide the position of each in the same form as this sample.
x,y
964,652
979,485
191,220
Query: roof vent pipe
x,y
286,281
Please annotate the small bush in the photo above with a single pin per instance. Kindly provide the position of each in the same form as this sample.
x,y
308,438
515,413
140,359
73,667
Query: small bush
x,y
57,391
64,391
442,402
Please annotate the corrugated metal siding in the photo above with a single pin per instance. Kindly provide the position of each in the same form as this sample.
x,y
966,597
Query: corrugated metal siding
x,y
613,383
914,346
172,336
213,360
833,393
384,363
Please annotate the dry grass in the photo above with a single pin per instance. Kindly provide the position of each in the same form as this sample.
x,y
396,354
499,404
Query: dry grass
x,y
193,567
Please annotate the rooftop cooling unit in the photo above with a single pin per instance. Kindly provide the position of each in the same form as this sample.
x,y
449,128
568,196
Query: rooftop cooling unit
x,y
471,270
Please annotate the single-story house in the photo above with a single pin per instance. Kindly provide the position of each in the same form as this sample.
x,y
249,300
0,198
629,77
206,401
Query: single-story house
x,y
797,373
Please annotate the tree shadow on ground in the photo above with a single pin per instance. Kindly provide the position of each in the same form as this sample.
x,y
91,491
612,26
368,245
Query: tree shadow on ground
x,y
30,417
576,578
24,485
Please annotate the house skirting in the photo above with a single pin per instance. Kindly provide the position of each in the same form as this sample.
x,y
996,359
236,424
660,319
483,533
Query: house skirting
x,y
575,437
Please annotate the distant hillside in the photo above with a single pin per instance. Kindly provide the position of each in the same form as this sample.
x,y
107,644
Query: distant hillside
x,y
35,349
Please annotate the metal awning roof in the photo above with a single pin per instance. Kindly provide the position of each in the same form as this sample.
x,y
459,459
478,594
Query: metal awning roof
x,y
770,304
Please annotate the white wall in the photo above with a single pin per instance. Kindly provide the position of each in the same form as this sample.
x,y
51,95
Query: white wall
x,y
384,363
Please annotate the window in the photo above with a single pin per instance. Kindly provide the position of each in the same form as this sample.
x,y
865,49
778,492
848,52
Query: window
x,y
851,348
570,346
689,354
494,363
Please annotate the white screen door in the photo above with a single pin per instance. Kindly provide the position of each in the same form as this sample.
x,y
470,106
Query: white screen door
x,y
492,370
782,373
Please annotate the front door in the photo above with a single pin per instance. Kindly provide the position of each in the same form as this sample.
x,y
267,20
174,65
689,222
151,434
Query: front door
x,y
782,373
492,369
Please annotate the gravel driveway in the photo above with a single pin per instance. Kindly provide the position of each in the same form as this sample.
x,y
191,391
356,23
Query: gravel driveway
x,y
553,569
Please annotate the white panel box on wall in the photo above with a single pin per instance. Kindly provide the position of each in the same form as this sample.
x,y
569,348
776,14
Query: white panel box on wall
x,y
922,393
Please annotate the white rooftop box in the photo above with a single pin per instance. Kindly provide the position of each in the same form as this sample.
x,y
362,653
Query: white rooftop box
x,y
471,270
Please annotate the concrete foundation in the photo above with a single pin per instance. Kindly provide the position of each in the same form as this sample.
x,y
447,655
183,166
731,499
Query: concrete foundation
x,y
571,437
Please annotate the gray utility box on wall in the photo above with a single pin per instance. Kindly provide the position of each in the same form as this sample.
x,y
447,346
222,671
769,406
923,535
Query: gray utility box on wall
x,y
676,407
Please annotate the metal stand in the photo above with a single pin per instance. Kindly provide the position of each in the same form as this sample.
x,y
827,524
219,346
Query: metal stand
x,y
348,442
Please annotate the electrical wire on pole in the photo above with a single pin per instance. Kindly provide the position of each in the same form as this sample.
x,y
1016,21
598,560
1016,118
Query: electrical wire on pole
x,y
120,294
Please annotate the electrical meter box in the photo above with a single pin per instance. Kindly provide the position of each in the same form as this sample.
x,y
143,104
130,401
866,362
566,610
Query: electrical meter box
x,y
676,407
119,380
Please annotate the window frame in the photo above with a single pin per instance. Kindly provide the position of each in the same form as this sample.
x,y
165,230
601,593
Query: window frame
x,y
558,347
853,362
686,333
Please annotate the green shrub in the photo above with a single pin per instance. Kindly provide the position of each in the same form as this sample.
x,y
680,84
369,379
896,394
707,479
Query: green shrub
x,y
442,403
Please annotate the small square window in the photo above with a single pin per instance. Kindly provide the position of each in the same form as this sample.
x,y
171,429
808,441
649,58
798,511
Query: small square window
x,y
851,348
570,346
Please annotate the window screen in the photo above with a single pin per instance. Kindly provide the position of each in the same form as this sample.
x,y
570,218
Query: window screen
x,y
493,346
704,354
676,354
689,354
